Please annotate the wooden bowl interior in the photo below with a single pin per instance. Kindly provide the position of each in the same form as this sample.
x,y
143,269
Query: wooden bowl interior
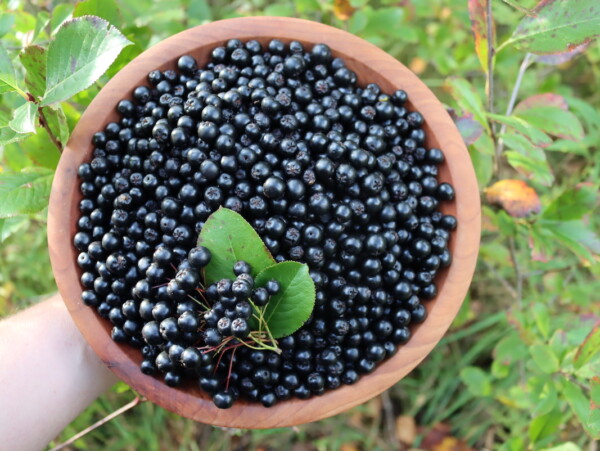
x,y
372,66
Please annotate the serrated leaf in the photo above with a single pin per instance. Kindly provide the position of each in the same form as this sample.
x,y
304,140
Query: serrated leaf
x,y
289,309
105,9
554,121
534,134
8,81
557,26
468,99
80,53
24,118
544,100
478,15
24,192
230,238
57,122
544,358
476,380
9,136
33,59
572,204
589,348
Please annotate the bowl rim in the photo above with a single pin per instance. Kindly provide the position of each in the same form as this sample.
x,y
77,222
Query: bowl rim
x,y
455,280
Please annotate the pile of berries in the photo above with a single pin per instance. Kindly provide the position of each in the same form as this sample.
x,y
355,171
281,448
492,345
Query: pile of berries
x,y
328,173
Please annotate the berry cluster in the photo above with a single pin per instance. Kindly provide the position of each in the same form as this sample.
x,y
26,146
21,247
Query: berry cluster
x,y
328,173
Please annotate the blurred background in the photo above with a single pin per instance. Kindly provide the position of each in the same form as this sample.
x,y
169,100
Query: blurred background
x,y
519,367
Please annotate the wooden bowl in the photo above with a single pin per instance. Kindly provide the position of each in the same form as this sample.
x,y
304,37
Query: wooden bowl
x,y
371,65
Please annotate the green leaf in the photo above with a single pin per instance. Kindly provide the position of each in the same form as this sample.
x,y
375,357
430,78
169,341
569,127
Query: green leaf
x,y
468,99
547,399
289,309
57,122
542,318
544,358
60,13
105,9
544,425
9,226
580,405
6,22
535,135
80,53
476,380
24,118
198,11
8,136
572,204
576,236
33,59
567,446
557,26
230,238
554,121
535,168
589,348
469,129
24,192
8,80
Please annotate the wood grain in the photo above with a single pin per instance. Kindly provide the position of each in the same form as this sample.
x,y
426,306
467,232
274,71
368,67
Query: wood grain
x,y
372,65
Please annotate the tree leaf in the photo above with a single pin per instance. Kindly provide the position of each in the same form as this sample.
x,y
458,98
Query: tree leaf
x,y
554,121
105,9
572,204
57,122
476,380
6,22
198,11
514,196
588,348
567,446
532,165
24,118
544,358
342,9
289,309
9,226
581,407
33,59
561,58
545,99
534,134
230,238
60,13
468,99
469,129
575,235
9,136
544,425
557,26
80,53
24,192
8,80
478,15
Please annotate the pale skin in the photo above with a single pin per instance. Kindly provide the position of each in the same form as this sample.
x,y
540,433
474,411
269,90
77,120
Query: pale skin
x,y
48,375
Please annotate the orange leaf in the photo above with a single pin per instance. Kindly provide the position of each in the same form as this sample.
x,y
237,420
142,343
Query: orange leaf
x,y
514,196
478,15
342,9
451,444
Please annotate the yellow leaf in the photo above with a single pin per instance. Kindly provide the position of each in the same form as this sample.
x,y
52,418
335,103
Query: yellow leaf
x,y
342,9
406,429
514,196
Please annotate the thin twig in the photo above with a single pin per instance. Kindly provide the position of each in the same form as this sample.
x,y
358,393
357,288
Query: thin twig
x,y
513,99
97,424
518,273
388,415
489,83
44,123
528,12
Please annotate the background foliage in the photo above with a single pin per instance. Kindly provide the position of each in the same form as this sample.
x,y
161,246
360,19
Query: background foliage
x,y
519,368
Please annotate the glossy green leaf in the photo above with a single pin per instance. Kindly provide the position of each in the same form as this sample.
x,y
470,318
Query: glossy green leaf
x,y
230,238
534,134
289,309
572,204
24,118
554,121
105,9
544,358
468,99
476,380
33,59
24,192
80,53
557,26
